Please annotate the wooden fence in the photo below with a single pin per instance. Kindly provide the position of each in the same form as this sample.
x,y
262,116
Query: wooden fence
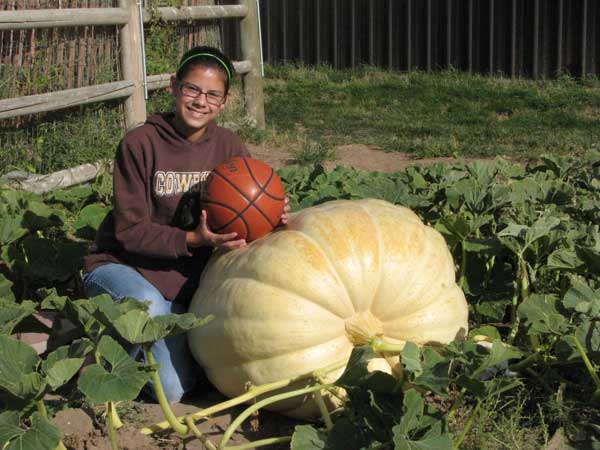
x,y
129,18
520,38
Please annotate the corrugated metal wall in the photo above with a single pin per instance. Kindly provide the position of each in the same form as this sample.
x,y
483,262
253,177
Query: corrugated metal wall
x,y
525,38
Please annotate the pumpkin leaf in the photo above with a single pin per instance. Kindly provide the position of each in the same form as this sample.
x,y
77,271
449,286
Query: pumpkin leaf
x,y
63,363
39,216
6,292
498,354
357,373
412,412
583,299
18,364
412,423
41,435
541,315
11,314
89,219
307,437
79,312
411,358
11,230
434,374
442,442
123,382
588,335
132,321
488,331
565,259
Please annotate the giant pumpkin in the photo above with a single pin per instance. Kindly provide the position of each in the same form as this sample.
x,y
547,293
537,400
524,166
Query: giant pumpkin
x,y
335,276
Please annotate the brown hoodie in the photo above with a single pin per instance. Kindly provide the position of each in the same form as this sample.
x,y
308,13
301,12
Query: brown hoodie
x,y
157,180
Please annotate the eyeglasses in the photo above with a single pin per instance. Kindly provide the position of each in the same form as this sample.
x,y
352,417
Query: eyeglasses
x,y
212,97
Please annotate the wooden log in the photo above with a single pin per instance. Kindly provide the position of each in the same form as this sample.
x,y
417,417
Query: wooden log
x,y
208,12
32,104
72,17
61,179
65,17
252,81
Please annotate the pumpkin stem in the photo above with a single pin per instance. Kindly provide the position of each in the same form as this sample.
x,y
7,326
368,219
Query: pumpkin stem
x,y
362,327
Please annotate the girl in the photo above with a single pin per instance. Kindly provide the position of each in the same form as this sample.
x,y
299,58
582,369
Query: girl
x,y
155,242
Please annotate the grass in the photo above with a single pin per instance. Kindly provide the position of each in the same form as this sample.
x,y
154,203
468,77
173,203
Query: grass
x,y
510,421
437,114
312,110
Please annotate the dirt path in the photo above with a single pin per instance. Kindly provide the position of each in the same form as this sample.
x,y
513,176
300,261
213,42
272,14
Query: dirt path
x,y
82,430
357,156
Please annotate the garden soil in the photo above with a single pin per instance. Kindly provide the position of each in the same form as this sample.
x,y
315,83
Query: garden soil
x,y
357,156
83,429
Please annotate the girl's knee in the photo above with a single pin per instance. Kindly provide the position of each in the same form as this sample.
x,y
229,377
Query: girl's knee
x,y
158,305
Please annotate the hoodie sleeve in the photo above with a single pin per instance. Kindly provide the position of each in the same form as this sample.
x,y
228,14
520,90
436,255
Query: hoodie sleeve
x,y
134,228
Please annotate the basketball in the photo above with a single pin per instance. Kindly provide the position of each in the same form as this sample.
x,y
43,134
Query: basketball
x,y
243,195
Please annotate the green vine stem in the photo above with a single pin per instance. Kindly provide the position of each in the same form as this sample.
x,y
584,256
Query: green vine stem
x,y
489,265
252,393
42,410
587,362
260,443
380,345
526,363
112,432
468,425
323,409
267,401
463,265
116,420
520,295
110,406
205,441
173,421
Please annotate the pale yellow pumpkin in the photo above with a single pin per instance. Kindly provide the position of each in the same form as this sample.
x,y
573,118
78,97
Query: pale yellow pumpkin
x,y
302,297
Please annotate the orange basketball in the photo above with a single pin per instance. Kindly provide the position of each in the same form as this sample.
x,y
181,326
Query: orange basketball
x,y
243,195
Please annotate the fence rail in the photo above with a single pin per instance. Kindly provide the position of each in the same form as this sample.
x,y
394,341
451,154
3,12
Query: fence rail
x,y
33,104
520,38
132,88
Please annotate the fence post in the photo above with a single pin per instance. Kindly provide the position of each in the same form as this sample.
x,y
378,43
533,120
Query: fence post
x,y
253,82
131,64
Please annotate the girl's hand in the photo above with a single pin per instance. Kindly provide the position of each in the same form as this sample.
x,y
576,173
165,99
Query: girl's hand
x,y
203,236
285,215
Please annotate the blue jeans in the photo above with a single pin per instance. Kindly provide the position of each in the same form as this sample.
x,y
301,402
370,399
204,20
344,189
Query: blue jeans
x,y
178,370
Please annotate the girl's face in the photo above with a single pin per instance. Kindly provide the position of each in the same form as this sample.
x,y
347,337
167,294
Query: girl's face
x,y
199,98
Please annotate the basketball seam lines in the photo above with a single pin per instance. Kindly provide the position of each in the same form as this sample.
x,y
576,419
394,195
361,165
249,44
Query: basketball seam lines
x,y
258,184
262,190
238,216
250,201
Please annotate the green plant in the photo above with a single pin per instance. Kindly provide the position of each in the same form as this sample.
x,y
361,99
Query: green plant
x,y
311,152
527,245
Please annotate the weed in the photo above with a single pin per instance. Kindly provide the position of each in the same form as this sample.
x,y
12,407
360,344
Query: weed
x,y
506,422
308,152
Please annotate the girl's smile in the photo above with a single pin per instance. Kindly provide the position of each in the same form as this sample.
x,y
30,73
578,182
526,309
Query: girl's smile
x,y
199,99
